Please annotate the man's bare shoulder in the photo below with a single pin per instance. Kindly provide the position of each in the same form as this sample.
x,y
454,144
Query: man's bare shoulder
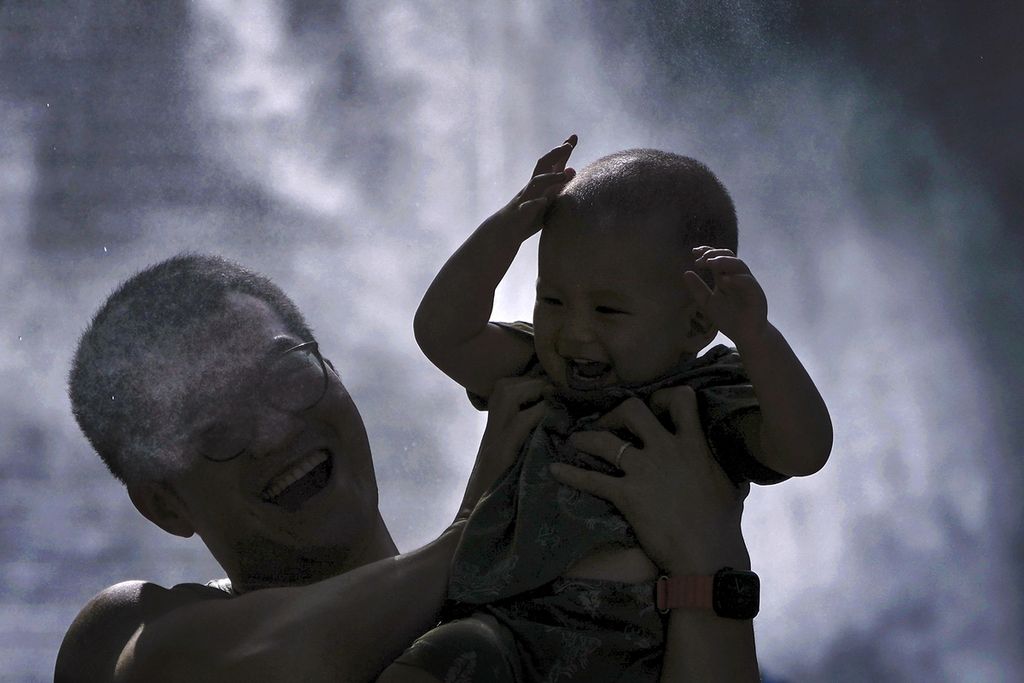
x,y
106,624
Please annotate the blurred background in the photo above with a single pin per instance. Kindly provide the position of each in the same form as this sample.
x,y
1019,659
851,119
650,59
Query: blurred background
x,y
346,148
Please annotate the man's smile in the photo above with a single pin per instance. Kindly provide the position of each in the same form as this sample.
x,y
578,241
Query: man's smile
x,y
300,481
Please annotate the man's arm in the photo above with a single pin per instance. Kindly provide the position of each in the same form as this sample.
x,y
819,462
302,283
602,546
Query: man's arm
x,y
345,628
699,644
515,408
452,323
796,430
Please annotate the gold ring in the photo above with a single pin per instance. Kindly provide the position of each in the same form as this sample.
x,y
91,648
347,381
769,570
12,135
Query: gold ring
x,y
618,456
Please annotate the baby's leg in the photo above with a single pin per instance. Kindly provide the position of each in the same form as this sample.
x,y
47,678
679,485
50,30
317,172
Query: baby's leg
x,y
476,648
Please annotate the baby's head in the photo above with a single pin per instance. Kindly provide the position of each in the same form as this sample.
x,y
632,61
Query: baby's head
x,y
612,307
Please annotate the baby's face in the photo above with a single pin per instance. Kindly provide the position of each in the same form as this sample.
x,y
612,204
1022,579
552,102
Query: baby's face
x,y
611,307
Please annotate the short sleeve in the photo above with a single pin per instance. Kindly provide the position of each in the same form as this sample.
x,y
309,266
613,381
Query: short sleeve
x,y
732,423
531,369
730,415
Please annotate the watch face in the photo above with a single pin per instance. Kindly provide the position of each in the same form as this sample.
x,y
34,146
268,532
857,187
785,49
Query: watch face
x,y
736,594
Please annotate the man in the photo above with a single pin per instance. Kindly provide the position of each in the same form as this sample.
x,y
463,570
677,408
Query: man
x,y
201,387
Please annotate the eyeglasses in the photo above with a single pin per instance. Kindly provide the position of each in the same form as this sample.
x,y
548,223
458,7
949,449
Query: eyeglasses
x,y
294,382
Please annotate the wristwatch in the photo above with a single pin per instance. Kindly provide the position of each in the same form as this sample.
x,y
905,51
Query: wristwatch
x,y
731,593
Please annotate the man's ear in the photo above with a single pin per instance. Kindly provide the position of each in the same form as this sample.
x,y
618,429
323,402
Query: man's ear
x,y
160,504
700,331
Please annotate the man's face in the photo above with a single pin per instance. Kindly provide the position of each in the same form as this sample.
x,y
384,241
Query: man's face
x,y
298,501
611,307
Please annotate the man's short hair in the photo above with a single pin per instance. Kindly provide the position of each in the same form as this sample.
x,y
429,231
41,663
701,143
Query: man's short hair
x,y
146,322
637,184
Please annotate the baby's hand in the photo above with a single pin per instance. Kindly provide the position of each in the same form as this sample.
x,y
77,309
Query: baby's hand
x,y
522,216
737,306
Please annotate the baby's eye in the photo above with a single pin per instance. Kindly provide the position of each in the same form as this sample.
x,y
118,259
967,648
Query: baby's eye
x,y
550,301
608,310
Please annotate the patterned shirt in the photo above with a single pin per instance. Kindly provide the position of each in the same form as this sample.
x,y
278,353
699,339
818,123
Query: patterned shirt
x,y
529,528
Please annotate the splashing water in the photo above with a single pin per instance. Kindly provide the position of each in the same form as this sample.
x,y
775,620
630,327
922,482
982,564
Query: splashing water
x,y
381,134
883,545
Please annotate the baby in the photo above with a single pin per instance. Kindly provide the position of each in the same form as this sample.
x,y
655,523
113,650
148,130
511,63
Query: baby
x,y
549,583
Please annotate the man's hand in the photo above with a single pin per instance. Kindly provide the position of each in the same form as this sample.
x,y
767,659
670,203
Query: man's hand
x,y
737,305
522,216
681,505
514,409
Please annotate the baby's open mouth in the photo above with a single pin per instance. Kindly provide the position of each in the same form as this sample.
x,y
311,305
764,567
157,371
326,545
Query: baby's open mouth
x,y
582,374
302,481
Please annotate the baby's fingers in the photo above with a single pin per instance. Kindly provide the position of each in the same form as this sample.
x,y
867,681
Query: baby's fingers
x,y
724,266
545,184
556,159
698,289
532,208
705,251
735,283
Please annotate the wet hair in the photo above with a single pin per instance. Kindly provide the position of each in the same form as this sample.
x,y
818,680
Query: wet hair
x,y
638,184
124,364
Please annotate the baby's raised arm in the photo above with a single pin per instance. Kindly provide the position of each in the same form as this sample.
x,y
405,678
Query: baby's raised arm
x,y
452,323
796,430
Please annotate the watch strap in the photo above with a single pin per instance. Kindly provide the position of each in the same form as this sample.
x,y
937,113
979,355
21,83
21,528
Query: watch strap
x,y
685,591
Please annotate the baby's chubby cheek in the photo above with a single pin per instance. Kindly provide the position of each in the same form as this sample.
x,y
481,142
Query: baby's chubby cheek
x,y
552,363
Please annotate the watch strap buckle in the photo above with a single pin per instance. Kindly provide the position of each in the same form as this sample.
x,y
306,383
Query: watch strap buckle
x,y
684,591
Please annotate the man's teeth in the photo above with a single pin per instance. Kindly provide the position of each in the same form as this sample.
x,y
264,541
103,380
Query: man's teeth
x,y
293,474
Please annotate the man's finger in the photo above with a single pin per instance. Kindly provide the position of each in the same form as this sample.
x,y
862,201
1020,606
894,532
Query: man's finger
x,y
634,416
601,485
608,447
525,422
602,444
519,383
517,392
514,393
681,405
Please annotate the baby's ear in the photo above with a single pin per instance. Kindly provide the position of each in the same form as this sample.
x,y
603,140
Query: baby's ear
x,y
701,330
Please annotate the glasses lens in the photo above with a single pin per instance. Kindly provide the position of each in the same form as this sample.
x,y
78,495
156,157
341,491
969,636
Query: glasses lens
x,y
222,442
296,380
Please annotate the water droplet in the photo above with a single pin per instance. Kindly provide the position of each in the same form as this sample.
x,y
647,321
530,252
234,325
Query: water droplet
x,y
104,250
